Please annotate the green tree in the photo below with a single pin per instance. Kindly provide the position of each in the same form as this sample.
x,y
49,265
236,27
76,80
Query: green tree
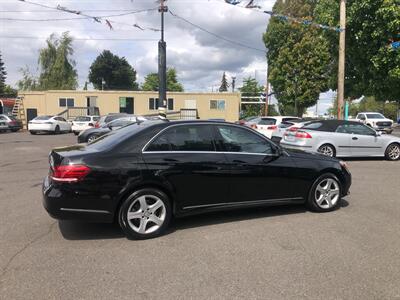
x,y
298,58
3,75
372,66
28,82
116,72
151,82
9,91
224,84
56,67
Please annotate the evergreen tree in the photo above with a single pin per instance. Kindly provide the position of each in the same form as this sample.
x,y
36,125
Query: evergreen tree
x,y
224,84
3,75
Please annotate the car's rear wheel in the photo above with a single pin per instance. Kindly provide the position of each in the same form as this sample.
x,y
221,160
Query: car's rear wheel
x,y
325,193
91,138
145,214
57,130
393,152
327,150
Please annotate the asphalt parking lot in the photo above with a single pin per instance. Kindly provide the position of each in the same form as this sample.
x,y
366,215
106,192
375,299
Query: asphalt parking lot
x,y
265,253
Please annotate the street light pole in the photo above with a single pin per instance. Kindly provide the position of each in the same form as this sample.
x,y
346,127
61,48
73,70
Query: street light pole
x,y
342,51
162,65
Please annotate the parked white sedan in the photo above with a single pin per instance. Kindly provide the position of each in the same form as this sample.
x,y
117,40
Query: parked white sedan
x,y
83,122
268,125
54,124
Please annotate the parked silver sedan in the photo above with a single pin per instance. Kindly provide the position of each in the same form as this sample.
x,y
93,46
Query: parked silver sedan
x,y
342,139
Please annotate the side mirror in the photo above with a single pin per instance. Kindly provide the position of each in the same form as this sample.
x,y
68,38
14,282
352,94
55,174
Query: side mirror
x,y
378,133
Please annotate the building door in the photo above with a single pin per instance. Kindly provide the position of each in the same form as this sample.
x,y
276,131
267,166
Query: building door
x,y
126,105
91,103
31,113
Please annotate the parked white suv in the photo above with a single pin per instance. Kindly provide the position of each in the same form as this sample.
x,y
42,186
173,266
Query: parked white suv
x,y
376,121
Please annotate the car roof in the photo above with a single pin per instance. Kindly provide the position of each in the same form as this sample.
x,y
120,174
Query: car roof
x,y
331,125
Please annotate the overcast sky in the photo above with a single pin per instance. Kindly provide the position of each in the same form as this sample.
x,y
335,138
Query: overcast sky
x,y
200,58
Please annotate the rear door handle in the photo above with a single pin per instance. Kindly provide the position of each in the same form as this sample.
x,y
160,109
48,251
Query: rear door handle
x,y
355,138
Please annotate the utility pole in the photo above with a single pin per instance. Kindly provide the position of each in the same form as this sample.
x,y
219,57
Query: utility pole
x,y
233,83
162,65
342,52
266,95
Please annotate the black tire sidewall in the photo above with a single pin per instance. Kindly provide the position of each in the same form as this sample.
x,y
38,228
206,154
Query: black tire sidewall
x,y
122,214
57,129
311,203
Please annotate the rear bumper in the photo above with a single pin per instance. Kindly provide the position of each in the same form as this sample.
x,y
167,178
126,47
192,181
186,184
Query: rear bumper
x,y
70,206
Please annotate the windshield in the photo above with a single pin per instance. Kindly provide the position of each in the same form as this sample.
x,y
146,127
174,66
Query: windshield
x,y
43,118
82,119
375,116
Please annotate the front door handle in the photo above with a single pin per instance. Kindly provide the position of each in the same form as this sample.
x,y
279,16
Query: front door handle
x,y
355,138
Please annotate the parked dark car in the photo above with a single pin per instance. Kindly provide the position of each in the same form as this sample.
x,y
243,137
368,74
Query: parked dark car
x,y
108,118
91,134
143,175
12,122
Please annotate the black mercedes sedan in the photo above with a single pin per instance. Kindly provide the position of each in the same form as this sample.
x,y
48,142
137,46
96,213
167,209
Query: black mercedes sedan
x,y
142,175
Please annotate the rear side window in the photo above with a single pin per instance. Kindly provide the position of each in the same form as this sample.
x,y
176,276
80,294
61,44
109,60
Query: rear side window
x,y
285,125
43,118
184,138
265,121
313,126
290,119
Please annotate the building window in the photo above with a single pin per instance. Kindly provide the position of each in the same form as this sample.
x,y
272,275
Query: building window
x,y
153,103
217,104
66,102
170,104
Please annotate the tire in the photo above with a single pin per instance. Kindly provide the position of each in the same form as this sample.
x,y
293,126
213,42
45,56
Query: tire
x,y
325,193
57,130
392,152
145,222
32,132
91,138
327,149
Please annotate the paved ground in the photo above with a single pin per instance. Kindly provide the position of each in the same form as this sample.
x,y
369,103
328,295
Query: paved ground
x,y
270,253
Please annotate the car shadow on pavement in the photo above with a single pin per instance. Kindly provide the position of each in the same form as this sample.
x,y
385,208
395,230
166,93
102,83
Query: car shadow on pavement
x,y
72,230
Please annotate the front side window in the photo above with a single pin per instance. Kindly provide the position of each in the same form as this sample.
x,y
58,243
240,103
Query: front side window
x,y
217,104
356,129
184,138
235,139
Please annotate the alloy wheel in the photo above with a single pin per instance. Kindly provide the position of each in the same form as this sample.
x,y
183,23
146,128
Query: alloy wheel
x,y
326,150
327,193
394,152
146,214
91,138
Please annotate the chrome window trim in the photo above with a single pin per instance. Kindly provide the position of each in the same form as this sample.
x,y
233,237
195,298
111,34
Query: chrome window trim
x,y
206,123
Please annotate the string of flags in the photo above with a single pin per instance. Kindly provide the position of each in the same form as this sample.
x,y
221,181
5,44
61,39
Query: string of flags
x,y
97,19
250,4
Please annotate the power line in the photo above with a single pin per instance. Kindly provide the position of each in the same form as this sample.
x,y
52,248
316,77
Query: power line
x,y
217,35
80,39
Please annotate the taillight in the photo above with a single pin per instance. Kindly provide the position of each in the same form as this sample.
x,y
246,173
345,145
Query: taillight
x,y
303,135
254,126
69,173
97,125
272,127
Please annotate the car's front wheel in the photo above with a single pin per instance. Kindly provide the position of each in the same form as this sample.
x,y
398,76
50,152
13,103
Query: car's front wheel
x,y
393,152
145,214
91,138
325,193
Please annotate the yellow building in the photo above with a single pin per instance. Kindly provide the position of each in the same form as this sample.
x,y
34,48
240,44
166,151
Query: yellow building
x,y
208,105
